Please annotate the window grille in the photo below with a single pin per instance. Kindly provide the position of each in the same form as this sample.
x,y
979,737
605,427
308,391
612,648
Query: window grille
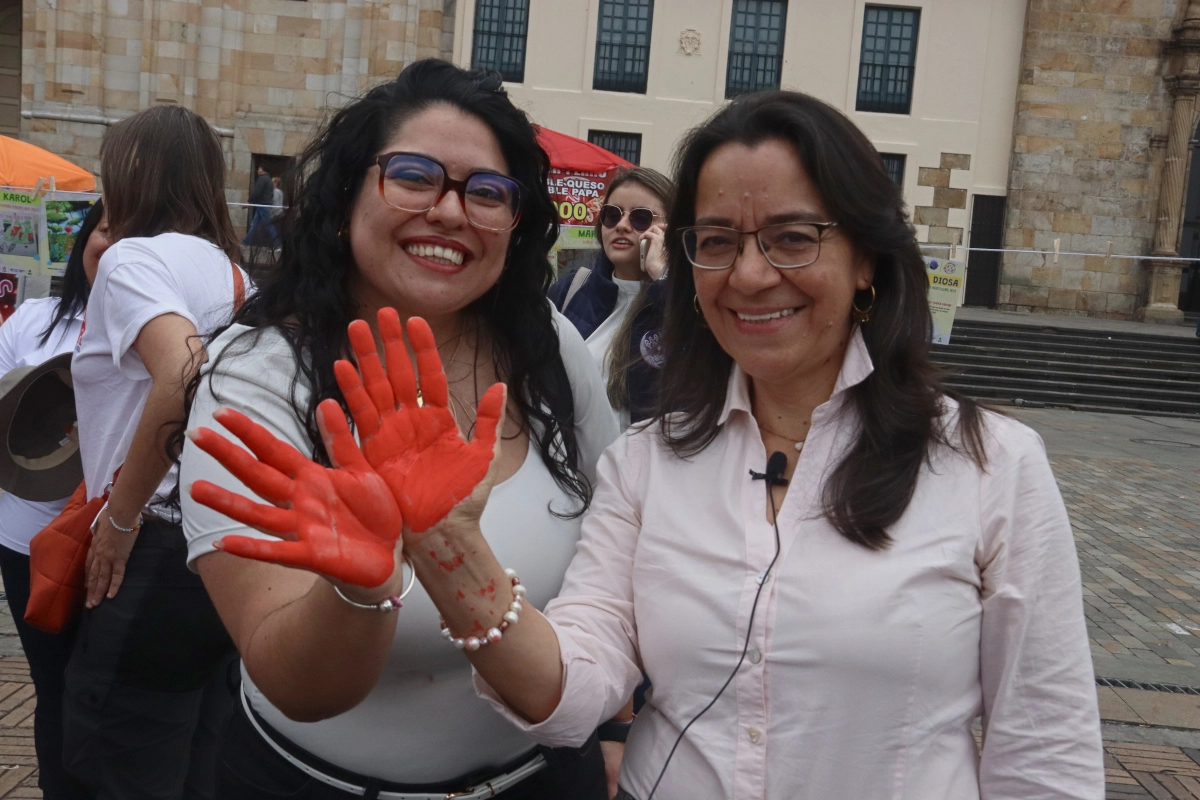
x,y
626,145
755,46
894,164
623,45
889,53
500,30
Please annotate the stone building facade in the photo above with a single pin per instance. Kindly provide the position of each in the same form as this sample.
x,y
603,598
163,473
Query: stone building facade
x,y
1095,151
262,72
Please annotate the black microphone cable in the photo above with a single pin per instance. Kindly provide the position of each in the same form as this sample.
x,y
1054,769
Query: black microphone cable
x,y
774,477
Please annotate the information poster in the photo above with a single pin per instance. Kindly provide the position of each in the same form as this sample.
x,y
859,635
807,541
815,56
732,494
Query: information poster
x,y
945,282
64,218
20,224
578,195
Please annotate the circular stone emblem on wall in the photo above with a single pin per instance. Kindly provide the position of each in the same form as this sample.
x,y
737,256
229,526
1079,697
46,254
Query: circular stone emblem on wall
x,y
689,42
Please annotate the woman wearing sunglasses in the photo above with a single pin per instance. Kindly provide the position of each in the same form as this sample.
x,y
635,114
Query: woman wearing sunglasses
x,y
616,304
427,195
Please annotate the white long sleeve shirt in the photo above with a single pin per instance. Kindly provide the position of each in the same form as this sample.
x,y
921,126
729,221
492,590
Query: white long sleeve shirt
x,y
865,669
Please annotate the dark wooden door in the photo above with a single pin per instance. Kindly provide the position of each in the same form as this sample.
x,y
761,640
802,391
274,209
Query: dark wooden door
x,y
983,269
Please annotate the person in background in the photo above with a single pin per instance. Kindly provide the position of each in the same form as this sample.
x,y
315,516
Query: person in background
x,y
616,304
426,195
262,194
145,695
40,329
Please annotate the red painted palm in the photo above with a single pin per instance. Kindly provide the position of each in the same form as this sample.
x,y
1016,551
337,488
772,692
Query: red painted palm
x,y
341,522
415,446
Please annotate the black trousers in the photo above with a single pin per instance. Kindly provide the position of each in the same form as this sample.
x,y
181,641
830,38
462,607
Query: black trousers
x,y
146,695
47,654
250,769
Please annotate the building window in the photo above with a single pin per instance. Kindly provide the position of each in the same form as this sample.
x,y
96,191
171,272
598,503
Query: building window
x,y
626,145
755,46
623,45
500,29
894,164
889,52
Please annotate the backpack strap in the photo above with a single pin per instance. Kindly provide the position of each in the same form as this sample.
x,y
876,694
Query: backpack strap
x,y
239,287
581,276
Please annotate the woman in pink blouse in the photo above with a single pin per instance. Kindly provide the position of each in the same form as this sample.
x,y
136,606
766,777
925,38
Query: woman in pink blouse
x,y
834,636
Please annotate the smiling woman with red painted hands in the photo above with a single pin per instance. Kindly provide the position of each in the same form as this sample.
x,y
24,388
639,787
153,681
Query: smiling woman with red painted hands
x,y
828,564
427,195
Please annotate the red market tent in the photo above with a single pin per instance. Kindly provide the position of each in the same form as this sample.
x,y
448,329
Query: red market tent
x,y
22,164
575,155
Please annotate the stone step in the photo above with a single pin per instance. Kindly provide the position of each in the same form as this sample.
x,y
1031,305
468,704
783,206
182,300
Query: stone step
x,y
1168,377
1050,393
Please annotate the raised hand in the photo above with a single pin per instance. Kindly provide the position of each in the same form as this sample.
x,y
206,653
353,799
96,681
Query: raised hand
x,y
342,523
417,448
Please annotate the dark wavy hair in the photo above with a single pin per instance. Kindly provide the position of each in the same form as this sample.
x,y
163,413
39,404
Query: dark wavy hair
x,y
900,405
307,298
75,286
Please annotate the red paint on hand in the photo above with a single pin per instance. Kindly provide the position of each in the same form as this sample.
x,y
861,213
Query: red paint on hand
x,y
418,450
342,523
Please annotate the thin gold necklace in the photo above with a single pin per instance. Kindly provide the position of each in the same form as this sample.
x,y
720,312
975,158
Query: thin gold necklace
x,y
798,443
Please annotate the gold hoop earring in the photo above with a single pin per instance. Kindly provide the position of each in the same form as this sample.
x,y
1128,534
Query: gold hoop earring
x,y
699,313
863,315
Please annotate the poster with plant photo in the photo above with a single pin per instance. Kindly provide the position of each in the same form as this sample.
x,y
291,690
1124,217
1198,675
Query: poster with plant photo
x,y
64,218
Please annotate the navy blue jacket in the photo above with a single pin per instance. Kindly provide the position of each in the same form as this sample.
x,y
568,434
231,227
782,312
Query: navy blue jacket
x,y
593,304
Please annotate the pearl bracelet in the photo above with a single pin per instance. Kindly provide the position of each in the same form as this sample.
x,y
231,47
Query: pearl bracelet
x,y
137,525
493,635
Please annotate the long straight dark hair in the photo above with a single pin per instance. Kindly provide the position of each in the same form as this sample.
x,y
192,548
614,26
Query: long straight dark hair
x,y
900,405
307,298
164,172
75,286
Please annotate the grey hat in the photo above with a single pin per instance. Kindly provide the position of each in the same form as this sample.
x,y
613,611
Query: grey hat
x,y
39,454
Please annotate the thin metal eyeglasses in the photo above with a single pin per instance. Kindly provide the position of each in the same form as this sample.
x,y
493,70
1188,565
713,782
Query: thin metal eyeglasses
x,y
786,245
640,219
416,183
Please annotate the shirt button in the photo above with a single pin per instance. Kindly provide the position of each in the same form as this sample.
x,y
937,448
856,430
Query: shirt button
x,y
755,656
755,735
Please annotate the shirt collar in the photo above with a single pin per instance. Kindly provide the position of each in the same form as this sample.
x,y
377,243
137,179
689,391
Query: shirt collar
x,y
856,366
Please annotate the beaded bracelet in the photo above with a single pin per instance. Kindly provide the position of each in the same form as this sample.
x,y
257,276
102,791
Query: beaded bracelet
x,y
137,525
493,635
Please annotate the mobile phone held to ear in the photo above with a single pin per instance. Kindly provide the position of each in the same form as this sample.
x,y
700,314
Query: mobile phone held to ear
x,y
642,245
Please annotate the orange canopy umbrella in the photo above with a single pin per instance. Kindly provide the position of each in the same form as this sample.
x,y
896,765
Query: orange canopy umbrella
x,y
21,164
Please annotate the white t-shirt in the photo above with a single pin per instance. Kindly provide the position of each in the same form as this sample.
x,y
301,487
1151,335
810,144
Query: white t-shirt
x,y
20,338
601,338
139,279
422,723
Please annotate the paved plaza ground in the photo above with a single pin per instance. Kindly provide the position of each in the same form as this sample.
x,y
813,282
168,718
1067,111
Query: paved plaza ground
x,y
1132,487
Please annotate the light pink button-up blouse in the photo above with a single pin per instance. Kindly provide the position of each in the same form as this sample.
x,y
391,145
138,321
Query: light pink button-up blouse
x,y
865,669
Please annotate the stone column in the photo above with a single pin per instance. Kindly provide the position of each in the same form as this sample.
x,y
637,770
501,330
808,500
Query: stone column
x,y
1162,301
1182,80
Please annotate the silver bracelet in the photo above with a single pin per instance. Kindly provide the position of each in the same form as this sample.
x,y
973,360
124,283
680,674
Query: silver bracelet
x,y
113,522
387,604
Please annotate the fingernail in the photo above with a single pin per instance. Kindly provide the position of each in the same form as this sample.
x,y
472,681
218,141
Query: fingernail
x,y
191,433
